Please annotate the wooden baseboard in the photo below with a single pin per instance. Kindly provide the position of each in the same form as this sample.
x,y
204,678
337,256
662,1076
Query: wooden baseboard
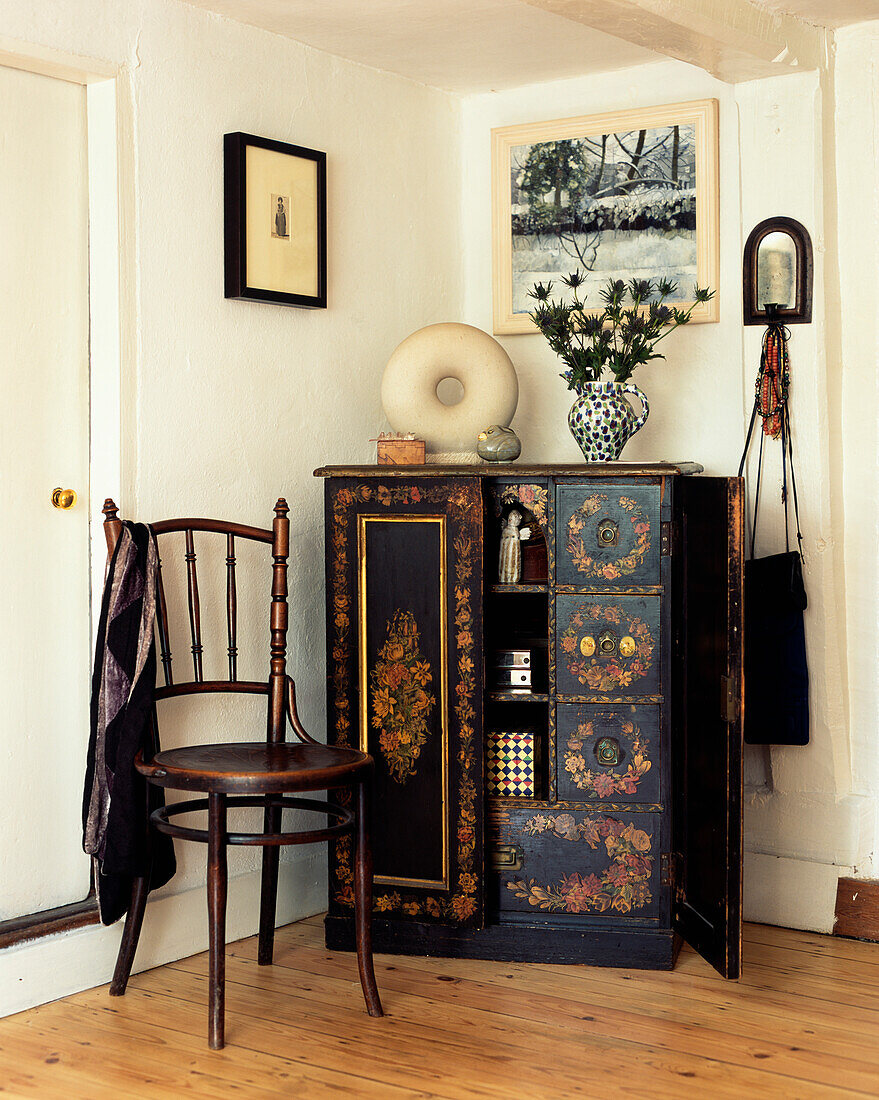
x,y
857,909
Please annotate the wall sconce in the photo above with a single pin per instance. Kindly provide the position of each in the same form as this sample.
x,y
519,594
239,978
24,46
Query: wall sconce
x,y
777,274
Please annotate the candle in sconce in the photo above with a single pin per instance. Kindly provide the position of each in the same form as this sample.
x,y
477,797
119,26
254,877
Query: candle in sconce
x,y
777,271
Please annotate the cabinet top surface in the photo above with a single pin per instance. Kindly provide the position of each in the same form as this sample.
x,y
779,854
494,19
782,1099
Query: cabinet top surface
x,y
517,470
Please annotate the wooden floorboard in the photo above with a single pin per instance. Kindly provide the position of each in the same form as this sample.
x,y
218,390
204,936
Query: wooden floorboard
x,y
803,1022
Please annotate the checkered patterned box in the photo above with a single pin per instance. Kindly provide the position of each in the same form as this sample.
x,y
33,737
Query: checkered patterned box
x,y
510,764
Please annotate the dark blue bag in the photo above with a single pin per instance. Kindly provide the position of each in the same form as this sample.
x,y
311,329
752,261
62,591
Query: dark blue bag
x,y
776,672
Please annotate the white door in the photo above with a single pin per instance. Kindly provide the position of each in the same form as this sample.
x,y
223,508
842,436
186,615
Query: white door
x,y
44,444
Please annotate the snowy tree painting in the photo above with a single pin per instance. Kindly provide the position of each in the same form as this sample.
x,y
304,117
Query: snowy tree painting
x,y
618,205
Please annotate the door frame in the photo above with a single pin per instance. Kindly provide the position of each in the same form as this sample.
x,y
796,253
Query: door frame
x,y
111,236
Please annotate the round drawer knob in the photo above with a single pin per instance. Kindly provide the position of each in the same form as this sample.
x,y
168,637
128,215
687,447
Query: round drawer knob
x,y
587,645
607,751
627,646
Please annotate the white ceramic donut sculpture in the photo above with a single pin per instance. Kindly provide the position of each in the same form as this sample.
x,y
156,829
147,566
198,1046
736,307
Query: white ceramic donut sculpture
x,y
449,350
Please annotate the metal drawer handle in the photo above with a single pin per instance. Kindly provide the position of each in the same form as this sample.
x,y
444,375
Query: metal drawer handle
x,y
507,857
608,533
587,645
607,752
607,643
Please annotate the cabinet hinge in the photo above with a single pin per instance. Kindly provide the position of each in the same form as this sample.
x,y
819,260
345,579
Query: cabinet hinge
x,y
729,703
667,539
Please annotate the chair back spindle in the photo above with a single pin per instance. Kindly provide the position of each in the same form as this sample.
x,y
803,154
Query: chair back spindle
x,y
231,607
194,607
278,674
162,623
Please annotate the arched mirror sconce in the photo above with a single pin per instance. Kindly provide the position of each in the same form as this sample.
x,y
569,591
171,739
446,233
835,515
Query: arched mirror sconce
x,y
777,273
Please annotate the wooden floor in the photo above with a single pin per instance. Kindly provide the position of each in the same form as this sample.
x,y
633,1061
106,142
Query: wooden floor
x,y
803,1022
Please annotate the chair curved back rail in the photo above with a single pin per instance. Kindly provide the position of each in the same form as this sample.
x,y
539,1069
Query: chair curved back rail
x,y
247,773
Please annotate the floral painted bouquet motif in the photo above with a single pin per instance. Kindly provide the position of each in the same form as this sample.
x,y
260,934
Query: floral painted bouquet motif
x,y
609,570
614,672
624,886
401,703
607,783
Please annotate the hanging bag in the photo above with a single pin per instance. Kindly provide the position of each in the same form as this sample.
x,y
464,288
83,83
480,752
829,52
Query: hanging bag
x,y
776,673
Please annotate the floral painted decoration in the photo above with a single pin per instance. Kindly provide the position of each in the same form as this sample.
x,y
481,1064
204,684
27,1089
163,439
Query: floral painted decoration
x,y
612,673
607,783
609,570
532,497
623,886
401,702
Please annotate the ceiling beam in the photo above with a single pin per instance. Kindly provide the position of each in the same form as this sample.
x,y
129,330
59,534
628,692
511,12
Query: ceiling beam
x,y
733,40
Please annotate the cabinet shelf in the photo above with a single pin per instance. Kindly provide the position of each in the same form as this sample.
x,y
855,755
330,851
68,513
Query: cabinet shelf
x,y
517,697
517,589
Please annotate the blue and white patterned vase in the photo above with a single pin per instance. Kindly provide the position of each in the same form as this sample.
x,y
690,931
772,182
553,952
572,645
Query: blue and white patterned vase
x,y
602,421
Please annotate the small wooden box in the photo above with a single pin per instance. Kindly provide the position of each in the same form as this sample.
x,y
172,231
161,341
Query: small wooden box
x,y
400,452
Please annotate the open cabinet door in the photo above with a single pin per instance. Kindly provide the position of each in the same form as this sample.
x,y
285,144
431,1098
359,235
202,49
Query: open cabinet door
x,y
707,739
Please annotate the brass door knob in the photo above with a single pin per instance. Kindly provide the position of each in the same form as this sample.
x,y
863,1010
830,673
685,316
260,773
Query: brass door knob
x,y
64,498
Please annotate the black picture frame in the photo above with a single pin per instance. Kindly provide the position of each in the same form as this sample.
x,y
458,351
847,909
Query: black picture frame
x,y
801,312
243,284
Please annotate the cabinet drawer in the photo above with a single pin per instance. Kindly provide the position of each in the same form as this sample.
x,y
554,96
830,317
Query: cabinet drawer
x,y
608,754
607,536
580,864
607,644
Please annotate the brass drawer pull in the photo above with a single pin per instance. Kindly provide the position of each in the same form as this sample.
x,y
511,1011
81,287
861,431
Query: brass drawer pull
x,y
607,643
607,752
507,857
608,533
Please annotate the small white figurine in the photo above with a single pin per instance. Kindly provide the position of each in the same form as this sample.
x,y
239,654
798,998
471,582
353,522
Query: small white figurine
x,y
510,564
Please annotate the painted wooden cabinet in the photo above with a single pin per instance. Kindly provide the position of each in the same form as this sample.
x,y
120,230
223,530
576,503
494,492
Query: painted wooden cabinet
x,y
629,609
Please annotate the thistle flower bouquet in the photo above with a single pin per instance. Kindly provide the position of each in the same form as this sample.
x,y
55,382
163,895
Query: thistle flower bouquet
x,y
620,337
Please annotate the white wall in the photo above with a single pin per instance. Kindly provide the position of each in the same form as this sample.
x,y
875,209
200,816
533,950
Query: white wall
x,y
855,90
780,143
228,405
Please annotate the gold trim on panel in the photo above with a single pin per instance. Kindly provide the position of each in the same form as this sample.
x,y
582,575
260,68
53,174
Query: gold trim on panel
x,y
363,523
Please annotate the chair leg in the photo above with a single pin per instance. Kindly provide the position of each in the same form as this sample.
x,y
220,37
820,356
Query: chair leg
x,y
269,890
216,919
363,904
140,888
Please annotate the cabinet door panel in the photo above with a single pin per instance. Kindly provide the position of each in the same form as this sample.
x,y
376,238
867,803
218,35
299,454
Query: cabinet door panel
x,y
608,535
607,645
608,754
707,746
405,668
579,863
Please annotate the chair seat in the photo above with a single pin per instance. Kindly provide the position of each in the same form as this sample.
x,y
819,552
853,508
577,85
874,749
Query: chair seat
x,y
256,768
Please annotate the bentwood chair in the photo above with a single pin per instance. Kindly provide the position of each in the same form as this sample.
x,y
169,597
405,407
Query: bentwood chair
x,y
251,773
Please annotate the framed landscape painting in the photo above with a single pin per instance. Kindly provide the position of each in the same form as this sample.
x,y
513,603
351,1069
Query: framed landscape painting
x,y
627,194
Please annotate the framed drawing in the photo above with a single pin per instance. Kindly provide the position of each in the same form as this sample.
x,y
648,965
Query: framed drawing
x,y
628,194
275,221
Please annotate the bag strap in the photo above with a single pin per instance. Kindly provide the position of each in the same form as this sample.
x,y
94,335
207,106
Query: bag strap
x,y
787,457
